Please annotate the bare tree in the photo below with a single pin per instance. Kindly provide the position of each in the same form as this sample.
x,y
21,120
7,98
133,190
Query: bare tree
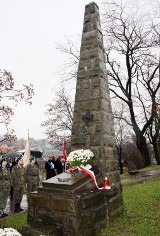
x,y
153,133
70,67
133,66
122,132
8,93
59,117
132,157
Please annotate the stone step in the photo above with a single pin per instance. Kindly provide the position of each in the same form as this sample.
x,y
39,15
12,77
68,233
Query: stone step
x,y
39,230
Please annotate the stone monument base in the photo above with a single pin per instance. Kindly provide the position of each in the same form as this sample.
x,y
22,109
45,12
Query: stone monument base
x,y
67,206
46,230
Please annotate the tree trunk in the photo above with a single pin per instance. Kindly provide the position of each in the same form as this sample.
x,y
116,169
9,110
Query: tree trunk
x,y
156,152
121,166
142,146
141,140
119,150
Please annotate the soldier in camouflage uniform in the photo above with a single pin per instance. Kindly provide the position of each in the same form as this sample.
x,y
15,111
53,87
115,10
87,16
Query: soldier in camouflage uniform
x,y
5,186
18,178
32,175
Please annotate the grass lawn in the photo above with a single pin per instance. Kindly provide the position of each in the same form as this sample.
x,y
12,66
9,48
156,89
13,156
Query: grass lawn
x,y
16,221
141,216
142,212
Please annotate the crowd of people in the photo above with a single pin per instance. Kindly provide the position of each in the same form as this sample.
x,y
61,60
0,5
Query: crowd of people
x,y
14,178
54,167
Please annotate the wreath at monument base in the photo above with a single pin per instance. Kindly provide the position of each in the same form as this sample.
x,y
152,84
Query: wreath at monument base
x,y
80,157
80,163
9,232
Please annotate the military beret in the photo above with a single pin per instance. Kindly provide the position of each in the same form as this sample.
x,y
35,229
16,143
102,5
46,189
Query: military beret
x,y
32,158
18,159
4,159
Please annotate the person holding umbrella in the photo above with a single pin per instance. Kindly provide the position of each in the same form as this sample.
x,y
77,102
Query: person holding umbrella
x,y
5,185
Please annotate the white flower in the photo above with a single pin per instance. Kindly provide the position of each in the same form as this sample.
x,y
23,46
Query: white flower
x,y
80,156
9,232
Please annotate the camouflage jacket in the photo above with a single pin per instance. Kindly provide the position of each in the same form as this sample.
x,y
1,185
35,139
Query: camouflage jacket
x,y
5,178
32,173
18,176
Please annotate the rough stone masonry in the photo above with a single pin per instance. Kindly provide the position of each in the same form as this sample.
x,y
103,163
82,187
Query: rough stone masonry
x,y
65,205
93,120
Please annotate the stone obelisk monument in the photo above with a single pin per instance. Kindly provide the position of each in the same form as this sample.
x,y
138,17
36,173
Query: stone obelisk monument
x,y
68,205
93,120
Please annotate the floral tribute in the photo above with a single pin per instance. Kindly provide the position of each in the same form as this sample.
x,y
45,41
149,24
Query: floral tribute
x,y
80,157
9,232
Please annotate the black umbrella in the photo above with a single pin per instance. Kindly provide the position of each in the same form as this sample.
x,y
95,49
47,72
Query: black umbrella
x,y
12,154
36,154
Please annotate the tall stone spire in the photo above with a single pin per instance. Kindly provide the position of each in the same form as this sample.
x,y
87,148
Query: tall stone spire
x,y
93,120
64,199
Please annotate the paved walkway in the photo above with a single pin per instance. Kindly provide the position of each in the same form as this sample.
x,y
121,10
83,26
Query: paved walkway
x,y
141,174
10,205
151,172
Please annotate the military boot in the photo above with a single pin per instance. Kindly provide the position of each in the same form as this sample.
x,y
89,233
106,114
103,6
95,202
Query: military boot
x,y
3,214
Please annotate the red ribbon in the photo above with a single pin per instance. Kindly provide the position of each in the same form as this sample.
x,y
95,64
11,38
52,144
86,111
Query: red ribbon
x,y
91,174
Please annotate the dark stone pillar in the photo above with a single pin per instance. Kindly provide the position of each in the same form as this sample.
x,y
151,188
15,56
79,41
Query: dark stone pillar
x,y
69,205
93,126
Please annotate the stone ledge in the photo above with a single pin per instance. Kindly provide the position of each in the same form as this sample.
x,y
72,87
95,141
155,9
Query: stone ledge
x,y
133,172
108,193
45,230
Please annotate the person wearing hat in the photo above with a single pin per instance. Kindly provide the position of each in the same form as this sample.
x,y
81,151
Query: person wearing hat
x,y
18,178
32,175
5,186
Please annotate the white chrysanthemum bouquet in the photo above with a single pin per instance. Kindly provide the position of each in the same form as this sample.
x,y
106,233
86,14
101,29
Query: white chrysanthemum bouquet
x,y
9,232
80,157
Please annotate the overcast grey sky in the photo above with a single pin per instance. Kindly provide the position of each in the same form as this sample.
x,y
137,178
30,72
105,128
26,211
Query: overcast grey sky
x,y
29,30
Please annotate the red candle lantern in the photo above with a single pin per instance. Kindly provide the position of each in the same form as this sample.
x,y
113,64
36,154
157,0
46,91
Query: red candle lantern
x,y
106,182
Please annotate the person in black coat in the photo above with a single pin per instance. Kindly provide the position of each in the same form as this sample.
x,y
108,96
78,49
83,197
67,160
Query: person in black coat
x,y
50,167
58,166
